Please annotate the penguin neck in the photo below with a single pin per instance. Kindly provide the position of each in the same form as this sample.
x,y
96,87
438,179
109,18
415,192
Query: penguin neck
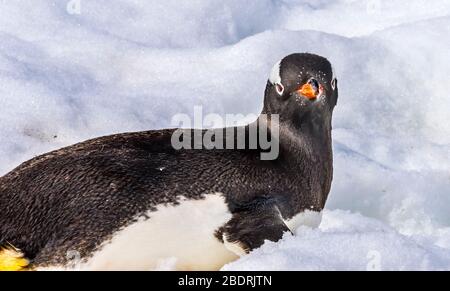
x,y
302,143
307,157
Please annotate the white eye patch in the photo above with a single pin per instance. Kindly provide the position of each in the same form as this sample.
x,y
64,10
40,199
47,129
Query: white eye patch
x,y
275,76
334,80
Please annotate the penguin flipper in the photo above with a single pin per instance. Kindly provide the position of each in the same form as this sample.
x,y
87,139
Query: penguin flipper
x,y
12,259
250,227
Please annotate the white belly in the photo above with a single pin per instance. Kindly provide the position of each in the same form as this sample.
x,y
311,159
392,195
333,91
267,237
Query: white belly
x,y
176,237
179,237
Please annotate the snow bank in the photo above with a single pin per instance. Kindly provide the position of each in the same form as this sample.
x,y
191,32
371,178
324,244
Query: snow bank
x,y
345,241
131,65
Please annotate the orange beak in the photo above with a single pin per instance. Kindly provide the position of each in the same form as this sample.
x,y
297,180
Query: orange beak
x,y
308,91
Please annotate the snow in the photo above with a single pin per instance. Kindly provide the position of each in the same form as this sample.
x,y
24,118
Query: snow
x,y
131,65
345,241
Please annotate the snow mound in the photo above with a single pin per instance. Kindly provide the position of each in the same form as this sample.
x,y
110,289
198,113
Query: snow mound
x,y
345,241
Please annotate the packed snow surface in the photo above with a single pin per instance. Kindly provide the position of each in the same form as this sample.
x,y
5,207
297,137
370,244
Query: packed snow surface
x,y
72,70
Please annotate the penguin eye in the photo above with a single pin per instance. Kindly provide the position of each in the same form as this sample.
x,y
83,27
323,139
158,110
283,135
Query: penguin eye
x,y
334,84
280,88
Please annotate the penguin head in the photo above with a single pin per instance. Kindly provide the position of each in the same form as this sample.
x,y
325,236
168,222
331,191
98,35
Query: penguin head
x,y
301,88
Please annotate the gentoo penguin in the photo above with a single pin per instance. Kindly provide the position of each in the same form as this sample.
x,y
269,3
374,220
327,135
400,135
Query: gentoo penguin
x,y
133,201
